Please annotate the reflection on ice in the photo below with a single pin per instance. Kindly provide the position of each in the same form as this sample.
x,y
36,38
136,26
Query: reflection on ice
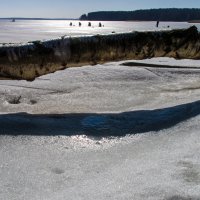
x,y
29,30
157,165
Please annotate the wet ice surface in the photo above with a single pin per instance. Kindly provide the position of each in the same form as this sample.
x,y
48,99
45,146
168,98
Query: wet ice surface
x,y
30,30
102,132
152,166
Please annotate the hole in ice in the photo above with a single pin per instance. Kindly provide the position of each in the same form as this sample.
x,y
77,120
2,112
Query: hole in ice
x,y
32,101
58,171
14,100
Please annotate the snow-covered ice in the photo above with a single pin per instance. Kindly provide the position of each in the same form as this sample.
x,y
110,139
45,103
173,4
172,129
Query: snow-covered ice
x,y
30,30
102,132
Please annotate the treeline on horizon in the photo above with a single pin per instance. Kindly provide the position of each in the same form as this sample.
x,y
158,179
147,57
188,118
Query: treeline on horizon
x,y
168,14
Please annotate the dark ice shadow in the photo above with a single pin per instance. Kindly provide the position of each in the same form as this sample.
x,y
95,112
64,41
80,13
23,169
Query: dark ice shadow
x,y
97,125
152,65
176,197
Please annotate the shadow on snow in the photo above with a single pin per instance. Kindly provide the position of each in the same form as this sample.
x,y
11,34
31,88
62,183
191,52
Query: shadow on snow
x,y
97,125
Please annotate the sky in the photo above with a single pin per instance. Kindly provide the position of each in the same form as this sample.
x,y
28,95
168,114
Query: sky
x,y
75,8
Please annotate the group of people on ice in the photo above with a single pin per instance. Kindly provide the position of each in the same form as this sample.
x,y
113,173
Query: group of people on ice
x,y
89,24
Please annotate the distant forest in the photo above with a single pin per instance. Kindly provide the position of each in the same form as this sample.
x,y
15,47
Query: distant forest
x,y
169,14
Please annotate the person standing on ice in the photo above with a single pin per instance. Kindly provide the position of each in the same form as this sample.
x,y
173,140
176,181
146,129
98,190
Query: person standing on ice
x,y
157,24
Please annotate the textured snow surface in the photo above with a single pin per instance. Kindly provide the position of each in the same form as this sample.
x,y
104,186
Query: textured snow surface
x,y
102,132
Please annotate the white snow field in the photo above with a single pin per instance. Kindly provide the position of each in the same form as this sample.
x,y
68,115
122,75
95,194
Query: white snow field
x,y
103,132
30,30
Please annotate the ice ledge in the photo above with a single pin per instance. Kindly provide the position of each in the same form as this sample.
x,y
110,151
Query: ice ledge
x,y
37,58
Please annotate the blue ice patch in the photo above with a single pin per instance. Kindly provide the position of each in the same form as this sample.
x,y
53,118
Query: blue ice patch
x,y
94,121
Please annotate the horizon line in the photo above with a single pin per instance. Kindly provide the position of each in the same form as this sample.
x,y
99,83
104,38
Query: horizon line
x,y
76,18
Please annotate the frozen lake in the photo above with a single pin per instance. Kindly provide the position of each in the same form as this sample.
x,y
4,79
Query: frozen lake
x,y
27,30
110,131
146,120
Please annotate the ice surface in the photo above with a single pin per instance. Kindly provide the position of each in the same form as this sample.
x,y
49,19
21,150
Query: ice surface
x,y
27,30
66,146
104,88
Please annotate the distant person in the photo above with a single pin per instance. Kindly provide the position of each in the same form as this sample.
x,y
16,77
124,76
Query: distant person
x,y
80,24
100,25
157,24
70,24
89,24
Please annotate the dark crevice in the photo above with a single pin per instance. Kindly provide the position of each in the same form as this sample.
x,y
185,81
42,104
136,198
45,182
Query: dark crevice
x,y
140,64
